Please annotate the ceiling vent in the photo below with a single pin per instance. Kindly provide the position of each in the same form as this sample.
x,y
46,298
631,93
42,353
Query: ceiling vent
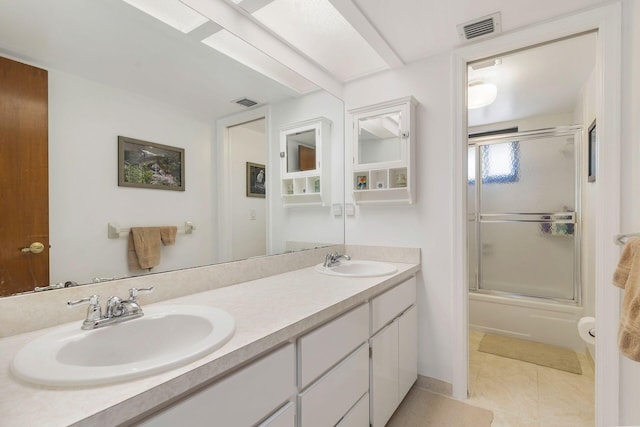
x,y
245,102
481,27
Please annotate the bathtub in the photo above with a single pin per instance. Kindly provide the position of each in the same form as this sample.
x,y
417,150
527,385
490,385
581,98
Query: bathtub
x,y
527,318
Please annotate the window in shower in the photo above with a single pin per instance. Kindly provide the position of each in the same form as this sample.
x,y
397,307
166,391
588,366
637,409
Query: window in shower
x,y
500,163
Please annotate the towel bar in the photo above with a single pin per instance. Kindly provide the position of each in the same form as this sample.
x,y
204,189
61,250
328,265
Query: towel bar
x,y
114,231
621,239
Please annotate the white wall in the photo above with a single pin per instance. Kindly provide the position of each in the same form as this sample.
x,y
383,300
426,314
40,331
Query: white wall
x,y
85,120
426,224
249,222
630,371
306,224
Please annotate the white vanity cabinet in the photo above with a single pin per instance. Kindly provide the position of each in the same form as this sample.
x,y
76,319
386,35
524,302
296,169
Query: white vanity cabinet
x,y
352,371
305,160
333,370
394,350
243,398
383,153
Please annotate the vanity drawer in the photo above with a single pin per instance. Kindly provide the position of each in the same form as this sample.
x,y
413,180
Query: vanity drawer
x,y
330,398
240,399
390,304
325,346
284,417
358,416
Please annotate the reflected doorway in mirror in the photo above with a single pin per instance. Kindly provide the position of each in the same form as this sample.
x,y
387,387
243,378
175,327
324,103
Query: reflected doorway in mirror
x,y
256,180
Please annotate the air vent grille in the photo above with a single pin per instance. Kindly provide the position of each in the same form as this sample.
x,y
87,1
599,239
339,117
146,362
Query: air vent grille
x,y
478,29
245,102
481,27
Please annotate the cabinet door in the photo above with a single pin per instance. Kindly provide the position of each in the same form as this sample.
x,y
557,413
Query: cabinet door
x,y
384,374
407,350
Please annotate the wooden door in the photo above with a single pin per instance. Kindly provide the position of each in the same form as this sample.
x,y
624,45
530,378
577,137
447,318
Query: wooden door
x,y
24,185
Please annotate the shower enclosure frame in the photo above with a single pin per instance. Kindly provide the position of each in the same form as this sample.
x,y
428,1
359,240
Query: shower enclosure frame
x,y
546,217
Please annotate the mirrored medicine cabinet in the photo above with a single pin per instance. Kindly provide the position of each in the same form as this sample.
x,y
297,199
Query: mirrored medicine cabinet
x,y
383,157
305,155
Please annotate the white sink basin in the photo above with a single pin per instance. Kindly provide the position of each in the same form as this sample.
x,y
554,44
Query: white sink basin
x,y
358,268
166,336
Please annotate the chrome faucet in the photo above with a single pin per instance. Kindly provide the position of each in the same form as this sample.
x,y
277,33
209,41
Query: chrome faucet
x,y
332,259
117,310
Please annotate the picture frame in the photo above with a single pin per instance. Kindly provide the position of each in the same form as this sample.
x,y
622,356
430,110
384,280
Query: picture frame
x,y
144,164
256,180
593,152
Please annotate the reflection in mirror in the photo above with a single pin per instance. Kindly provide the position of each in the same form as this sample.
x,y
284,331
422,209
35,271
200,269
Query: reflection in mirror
x,y
379,139
301,151
116,71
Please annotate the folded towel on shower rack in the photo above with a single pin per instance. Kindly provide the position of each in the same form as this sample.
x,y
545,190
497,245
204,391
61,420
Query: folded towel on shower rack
x,y
143,251
627,277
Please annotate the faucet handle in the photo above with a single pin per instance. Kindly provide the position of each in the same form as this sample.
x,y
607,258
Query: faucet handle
x,y
134,292
94,312
92,300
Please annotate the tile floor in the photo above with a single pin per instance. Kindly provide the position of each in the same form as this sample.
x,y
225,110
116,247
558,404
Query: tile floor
x,y
422,408
522,394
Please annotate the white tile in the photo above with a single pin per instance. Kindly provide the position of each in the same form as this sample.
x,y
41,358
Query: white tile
x,y
522,394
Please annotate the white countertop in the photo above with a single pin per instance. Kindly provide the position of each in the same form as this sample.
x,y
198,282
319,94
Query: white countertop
x,y
268,312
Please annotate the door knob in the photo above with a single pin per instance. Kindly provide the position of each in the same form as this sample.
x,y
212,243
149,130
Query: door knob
x,y
34,248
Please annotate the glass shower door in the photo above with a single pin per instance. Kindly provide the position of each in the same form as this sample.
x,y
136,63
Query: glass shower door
x,y
523,202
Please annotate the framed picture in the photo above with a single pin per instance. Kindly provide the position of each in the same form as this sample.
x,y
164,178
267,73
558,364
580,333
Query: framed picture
x,y
256,180
146,164
593,152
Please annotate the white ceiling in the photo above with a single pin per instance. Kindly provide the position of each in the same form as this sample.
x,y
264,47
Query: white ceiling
x,y
544,80
416,29
114,43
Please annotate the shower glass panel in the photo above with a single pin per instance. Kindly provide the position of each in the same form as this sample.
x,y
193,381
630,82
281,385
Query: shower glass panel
x,y
519,258
528,176
522,228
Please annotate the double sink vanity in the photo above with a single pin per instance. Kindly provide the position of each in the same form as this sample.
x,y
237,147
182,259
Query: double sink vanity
x,y
304,346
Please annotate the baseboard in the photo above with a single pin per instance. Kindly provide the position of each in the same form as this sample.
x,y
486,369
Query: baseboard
x,y
434,385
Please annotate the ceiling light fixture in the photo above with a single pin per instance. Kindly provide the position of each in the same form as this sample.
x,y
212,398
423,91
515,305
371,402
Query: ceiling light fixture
x,y
481,94
171,12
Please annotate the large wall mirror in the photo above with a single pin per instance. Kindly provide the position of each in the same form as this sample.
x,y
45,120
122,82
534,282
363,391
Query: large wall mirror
x,y
116,71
